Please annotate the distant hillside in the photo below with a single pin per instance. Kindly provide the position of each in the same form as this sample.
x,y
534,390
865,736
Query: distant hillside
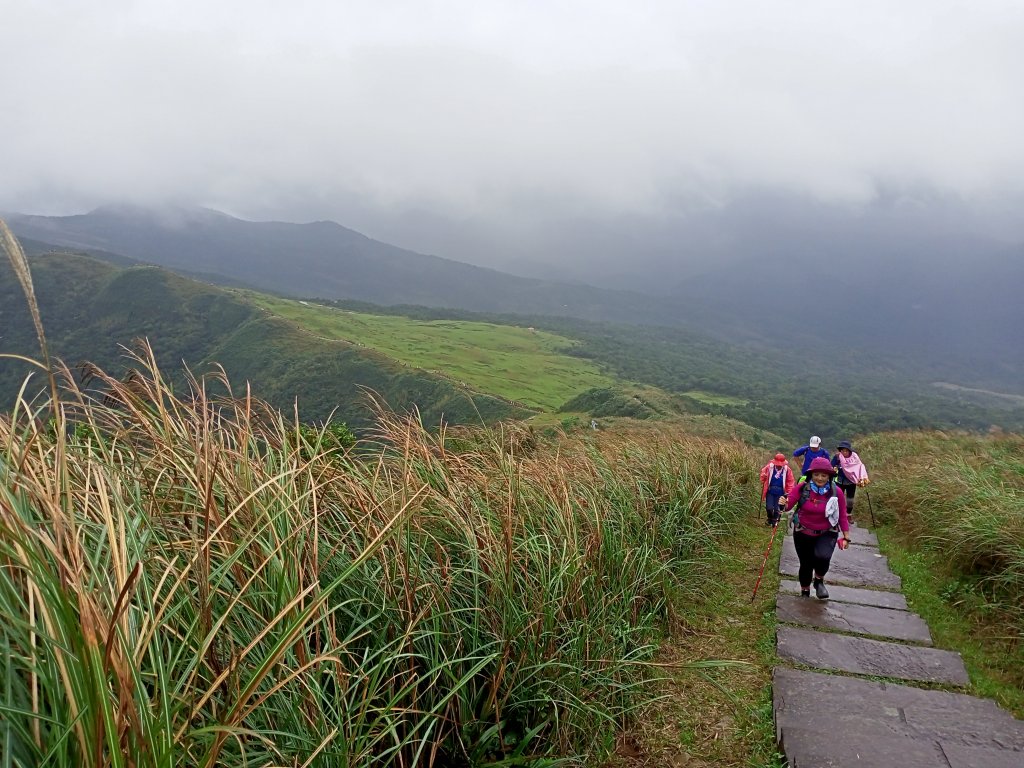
x,y
322,356
89,308
326,260
932,309
945,308
769,389
907,282
950,309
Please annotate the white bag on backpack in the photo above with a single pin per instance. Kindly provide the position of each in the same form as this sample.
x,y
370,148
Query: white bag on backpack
x,y
832,511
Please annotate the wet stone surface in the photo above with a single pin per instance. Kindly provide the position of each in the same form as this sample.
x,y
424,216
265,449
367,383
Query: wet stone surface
x,y
959,756
872,547
891,600
854,567
850,617
826,720
862,536
861,746
862,656
837,720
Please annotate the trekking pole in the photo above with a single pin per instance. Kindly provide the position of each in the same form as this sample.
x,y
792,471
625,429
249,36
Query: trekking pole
x,y
871,509
767,552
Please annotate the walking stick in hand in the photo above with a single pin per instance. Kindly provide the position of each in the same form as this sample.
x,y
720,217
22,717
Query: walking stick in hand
x,y
775,529
871,509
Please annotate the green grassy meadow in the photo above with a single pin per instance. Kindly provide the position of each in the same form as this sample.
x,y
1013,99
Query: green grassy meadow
x,y
527,366
710,398
951,507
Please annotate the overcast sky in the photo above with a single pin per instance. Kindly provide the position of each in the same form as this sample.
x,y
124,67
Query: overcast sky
x,y
316,109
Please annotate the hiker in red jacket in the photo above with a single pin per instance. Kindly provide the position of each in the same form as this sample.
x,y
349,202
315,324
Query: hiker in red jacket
x,y
820,516
777,481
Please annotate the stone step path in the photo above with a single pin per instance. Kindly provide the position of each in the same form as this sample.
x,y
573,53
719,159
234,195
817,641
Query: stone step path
x,y
862,656
866,628
850,617
894,600
858,566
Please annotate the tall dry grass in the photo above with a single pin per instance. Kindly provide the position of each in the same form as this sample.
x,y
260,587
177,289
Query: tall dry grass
x,y
188,580
961,496
19,263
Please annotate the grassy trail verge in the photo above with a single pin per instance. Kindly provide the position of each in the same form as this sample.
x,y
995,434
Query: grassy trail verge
x,y
951,507
721,716
958,620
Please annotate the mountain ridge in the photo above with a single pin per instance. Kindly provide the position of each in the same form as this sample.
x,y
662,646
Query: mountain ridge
x,y
952,311
324,259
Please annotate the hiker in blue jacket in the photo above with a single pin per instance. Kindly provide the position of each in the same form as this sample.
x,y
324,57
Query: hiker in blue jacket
x,y
810,452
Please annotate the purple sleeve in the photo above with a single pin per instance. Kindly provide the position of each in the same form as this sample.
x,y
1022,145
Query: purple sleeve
x,y
844,521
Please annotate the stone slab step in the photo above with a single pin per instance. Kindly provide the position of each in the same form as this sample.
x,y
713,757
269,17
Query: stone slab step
x,y
806,748
863,536
891,600
861,656
850,617
864,747
854,567
873,548
839,705
959,756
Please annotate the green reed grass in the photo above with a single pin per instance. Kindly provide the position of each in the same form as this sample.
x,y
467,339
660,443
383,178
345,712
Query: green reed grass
x,y
187,580
961,496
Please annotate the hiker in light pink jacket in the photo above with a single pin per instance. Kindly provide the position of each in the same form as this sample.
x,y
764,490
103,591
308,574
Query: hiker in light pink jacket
x,y
850,473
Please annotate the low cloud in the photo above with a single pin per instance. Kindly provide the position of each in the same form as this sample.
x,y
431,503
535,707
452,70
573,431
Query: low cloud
x,y
505,111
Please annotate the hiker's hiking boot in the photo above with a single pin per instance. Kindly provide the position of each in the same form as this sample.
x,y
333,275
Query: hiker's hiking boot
x,y
805,593
819,590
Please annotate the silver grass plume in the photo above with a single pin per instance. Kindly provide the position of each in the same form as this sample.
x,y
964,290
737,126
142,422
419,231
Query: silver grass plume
x,y
19,263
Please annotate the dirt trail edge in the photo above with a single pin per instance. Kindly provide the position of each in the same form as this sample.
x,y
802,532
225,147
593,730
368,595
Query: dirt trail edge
x,y
832,718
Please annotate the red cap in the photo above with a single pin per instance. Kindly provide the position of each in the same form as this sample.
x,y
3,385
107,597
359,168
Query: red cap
x,y
780,459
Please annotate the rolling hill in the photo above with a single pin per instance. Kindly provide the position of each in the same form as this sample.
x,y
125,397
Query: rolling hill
x,y
91,309
938,309
464,366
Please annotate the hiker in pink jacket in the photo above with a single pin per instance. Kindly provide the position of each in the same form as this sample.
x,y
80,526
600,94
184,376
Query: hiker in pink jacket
x,y
820,516
851,473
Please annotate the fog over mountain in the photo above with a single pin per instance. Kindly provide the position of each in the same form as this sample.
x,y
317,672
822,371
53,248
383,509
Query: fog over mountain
x,y
487,131
640,251
742,162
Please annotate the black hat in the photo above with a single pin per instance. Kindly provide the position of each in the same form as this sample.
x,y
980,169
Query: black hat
x,y
845,444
